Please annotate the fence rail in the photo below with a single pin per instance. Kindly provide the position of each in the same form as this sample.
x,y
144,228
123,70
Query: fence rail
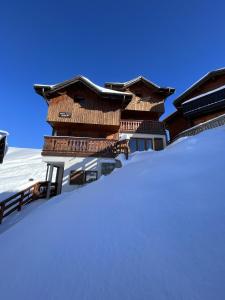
x,y
18,200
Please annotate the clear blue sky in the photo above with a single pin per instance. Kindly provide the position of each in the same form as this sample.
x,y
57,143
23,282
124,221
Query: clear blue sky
x,y
172,43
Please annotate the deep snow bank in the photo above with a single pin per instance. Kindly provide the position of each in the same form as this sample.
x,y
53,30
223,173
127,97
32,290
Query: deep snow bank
x,y
154,229
20,165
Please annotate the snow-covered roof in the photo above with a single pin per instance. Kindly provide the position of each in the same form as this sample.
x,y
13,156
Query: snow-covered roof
x,y
195,85
169,90
205,94
3,133
42,88
132,81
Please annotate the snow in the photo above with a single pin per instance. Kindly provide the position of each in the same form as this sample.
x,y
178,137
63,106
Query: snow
x,y
104,90
153,229
89,82
20,165
127,83
3,134
205,94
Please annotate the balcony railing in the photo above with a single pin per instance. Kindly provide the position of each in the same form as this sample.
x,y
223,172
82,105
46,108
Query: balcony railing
x,y
82,147
142,126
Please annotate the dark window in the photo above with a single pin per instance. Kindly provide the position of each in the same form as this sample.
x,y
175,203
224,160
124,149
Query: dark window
x,y
107,168
141,144
133,145
158,144
91,176
77,177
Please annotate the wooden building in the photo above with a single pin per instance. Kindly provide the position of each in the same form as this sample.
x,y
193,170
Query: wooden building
x,y
204,101
3,144
91,125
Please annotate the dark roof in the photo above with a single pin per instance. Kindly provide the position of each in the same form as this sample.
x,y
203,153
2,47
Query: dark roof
x,y
167,90
197,84
45,90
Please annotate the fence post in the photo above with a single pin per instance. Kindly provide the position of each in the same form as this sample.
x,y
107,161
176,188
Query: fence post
x,y
21,201
2,208
36,191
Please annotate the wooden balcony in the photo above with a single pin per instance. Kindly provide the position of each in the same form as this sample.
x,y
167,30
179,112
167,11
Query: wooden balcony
x,y
142,126
82,147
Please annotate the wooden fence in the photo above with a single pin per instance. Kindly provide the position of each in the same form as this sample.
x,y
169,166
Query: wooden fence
x,y
33,192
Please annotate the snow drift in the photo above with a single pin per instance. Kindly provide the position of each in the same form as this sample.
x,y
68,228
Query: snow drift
x,y
154,229
20,165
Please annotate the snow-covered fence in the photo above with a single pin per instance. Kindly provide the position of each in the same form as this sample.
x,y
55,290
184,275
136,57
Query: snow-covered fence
x,y
15,202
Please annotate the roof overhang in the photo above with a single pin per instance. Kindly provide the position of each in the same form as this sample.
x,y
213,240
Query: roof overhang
x,y
197,84
47,90
123,85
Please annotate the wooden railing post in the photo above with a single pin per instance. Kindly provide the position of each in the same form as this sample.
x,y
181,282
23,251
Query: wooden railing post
x,y
2,208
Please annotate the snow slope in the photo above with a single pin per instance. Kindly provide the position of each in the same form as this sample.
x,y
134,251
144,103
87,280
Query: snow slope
x,y
154,229
20,165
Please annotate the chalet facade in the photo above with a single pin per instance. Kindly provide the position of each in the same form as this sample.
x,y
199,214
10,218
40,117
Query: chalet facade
x,y
91,125
3,144
200,106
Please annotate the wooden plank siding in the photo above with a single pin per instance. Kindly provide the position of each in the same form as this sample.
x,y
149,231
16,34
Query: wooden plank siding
x,y
145,99
85,107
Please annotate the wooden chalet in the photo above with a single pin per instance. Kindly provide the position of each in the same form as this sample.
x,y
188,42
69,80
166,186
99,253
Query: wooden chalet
x,y
91,125
201,105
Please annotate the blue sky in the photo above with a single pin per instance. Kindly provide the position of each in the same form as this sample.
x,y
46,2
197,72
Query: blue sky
x,y
172,43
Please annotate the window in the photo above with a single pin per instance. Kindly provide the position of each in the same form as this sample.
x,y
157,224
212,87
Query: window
x,y
158,144
91,176
138,144
77,177
107,168
132,145
141,144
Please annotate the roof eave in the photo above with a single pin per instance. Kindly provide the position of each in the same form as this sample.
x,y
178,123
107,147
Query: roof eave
x,y
203,79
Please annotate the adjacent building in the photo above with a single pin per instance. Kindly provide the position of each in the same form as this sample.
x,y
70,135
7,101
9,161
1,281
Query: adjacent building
x,y
91,125
201,106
